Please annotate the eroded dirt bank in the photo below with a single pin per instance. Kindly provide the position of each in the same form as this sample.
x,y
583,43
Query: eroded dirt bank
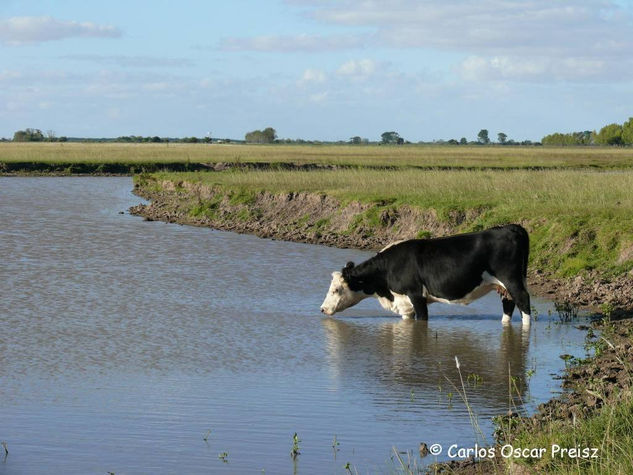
x,y
321,219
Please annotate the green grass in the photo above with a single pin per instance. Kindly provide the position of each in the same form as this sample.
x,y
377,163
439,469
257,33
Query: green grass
x,y
578,219
347,155
610,431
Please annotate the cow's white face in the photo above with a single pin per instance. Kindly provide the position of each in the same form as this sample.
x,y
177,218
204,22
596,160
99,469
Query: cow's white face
x,y
340,296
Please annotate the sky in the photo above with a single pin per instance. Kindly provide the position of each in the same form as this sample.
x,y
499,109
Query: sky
x,y
315,69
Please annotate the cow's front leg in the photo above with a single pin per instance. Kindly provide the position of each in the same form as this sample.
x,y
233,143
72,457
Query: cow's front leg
x,y
419,305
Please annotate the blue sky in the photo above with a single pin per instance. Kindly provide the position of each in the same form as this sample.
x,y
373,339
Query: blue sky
x,y
315,69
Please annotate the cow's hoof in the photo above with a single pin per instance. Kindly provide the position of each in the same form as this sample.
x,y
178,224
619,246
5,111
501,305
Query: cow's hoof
x,y
506,319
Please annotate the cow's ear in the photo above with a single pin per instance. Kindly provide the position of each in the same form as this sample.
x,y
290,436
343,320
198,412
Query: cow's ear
x,y
346,270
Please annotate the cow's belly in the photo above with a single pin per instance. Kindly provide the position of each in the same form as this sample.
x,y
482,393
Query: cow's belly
x,y
487,284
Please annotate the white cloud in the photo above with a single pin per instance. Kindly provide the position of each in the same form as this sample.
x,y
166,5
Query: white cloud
x,y
292,43
357,68
477,68
156,86
516,39
9,75
131,61
312,76
26,30
320,97
497,26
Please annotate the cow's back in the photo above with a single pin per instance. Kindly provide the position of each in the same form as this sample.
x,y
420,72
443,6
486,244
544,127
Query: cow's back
x,y
452,266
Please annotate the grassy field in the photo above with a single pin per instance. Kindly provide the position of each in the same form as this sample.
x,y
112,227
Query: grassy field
x,y
344,155
578,219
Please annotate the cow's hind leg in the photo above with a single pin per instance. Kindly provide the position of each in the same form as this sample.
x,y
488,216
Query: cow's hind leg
x,y
508,308
521,298
420,307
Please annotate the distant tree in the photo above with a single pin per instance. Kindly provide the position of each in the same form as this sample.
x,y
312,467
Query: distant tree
x,y
627,132
356,140
268,135
391,138
463,141
28,135
453,142
482,137
610,135
560,139
20,136
584,138
501,138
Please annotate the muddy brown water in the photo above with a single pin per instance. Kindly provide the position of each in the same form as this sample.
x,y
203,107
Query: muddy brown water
x,y
125,343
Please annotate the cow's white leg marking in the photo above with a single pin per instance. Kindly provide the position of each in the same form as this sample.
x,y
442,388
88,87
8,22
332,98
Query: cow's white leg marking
x,y
506,319
526,318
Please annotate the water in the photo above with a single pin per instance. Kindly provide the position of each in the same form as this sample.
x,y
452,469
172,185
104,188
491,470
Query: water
x,y
124,342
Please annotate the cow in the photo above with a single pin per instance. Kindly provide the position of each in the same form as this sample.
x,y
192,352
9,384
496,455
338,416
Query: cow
x,y
408,275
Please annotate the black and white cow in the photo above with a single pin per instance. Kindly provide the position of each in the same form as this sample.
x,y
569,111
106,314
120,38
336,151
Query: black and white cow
x,y
408,275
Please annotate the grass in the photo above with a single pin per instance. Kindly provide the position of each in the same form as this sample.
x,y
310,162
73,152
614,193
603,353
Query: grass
x,y
426,156
578,219
610,431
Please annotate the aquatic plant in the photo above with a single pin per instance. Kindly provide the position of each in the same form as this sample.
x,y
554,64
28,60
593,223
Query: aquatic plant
x,y
295,446
566,311
474,379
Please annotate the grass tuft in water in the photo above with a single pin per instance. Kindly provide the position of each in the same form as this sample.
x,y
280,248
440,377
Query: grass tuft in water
x,y
295,446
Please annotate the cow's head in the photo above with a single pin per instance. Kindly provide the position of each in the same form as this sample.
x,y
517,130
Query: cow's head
x,y
340,296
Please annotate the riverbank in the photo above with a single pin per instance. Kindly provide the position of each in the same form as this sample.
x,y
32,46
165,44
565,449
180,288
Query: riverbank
x,y
560,243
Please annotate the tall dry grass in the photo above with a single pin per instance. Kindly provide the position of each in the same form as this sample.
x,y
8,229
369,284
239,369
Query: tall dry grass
x,y
349,155
529,193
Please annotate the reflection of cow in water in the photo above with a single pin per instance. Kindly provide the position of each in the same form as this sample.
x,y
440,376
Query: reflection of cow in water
x,y
408,275
405,354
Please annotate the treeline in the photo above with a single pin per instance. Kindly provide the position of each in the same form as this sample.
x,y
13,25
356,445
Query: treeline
x,y
157,139
612,134
36,135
